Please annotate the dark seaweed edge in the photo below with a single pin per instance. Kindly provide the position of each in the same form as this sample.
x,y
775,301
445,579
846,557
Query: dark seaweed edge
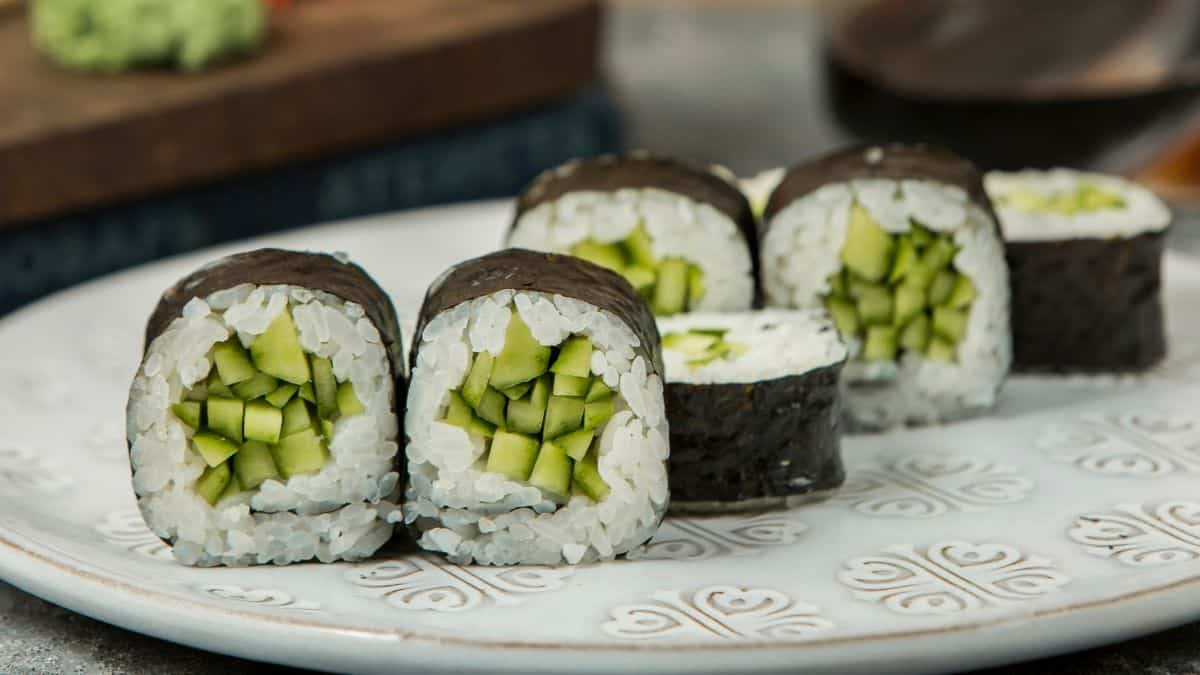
x,y
723,426
1105,304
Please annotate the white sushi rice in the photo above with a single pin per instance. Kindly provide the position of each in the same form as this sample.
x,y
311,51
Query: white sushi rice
x,y
780,342
339,513
678,227
1142,211
802,249
473,515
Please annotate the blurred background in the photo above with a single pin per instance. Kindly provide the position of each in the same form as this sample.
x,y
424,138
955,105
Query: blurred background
x,y
132,130
136,129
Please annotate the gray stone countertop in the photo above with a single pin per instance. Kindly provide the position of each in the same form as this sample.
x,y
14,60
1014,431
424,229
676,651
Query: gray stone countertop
x,y
721,82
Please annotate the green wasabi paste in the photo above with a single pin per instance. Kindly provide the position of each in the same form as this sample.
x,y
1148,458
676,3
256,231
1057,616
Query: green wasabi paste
x,y
111,36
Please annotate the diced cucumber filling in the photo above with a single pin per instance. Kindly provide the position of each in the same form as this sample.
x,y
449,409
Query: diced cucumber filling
x,y
1085,198
538,409
899,292
671,285
268,412
702,346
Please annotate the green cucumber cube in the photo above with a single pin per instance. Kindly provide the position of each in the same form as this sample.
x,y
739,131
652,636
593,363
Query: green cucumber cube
x,y
909,302
639,248
458,411
277,351
868,248
940,349
875,305
325,387
838,286
920,237
347,400
188,412
574,357
232,362
576,443
940,289
253,465
216,387
477,379
492,407
670,293
526,415
512,455
296,417
300,453
225,416
518,391
915,336
563,415
963,293
940,253
597,391
950,324
641,278
569,385
263,422
327,430
597,412
552,470
604,255
282,394
307,393
233,489
259,385
880,344
586,475
695,285
212,483
689,342
906,258
214,449
522,359
845,317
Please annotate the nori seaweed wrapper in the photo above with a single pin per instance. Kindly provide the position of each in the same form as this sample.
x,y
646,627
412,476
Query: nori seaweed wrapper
x,y
1087,305
754,443
270,266
523,270
895,161
611,173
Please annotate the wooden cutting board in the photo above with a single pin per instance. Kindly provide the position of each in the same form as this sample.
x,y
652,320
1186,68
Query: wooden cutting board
x,y
332,75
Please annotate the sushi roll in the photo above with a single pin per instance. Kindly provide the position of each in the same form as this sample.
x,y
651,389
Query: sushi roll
x,y
263,423
753,405
684,237
1084,257
899,243
535,422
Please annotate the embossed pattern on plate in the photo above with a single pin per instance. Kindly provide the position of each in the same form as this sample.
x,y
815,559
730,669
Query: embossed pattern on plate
x,y
1002,538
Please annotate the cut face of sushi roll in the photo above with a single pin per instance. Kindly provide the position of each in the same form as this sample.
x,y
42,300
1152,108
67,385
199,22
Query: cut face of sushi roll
x,y
1084,255
535,417
684,237
262,423
752,400
900,246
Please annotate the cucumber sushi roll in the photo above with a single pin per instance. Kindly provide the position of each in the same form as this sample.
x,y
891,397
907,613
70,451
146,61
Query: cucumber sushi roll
x,y
536,431
262,422
753,405
899,243
684,237
1084,256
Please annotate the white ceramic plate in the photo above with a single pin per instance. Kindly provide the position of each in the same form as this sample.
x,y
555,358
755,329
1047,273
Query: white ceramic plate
x,y
1069,518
